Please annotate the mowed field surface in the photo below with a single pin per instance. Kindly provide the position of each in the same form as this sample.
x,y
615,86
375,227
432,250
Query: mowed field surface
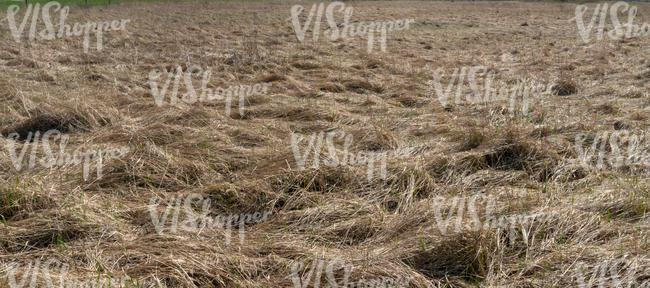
x,y
379,226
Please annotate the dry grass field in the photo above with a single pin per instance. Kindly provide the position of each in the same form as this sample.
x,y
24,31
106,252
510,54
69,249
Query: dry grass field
x,y
447,168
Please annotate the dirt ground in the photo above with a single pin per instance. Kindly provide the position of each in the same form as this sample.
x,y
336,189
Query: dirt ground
x,y
334,223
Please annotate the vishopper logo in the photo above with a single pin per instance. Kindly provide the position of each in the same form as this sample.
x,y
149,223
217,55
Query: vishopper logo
x,y
303,279
619,272
31,273
65,30
333,33
333,160
621,31
464,208
206,94
618,149
196,222
63,158
519,94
